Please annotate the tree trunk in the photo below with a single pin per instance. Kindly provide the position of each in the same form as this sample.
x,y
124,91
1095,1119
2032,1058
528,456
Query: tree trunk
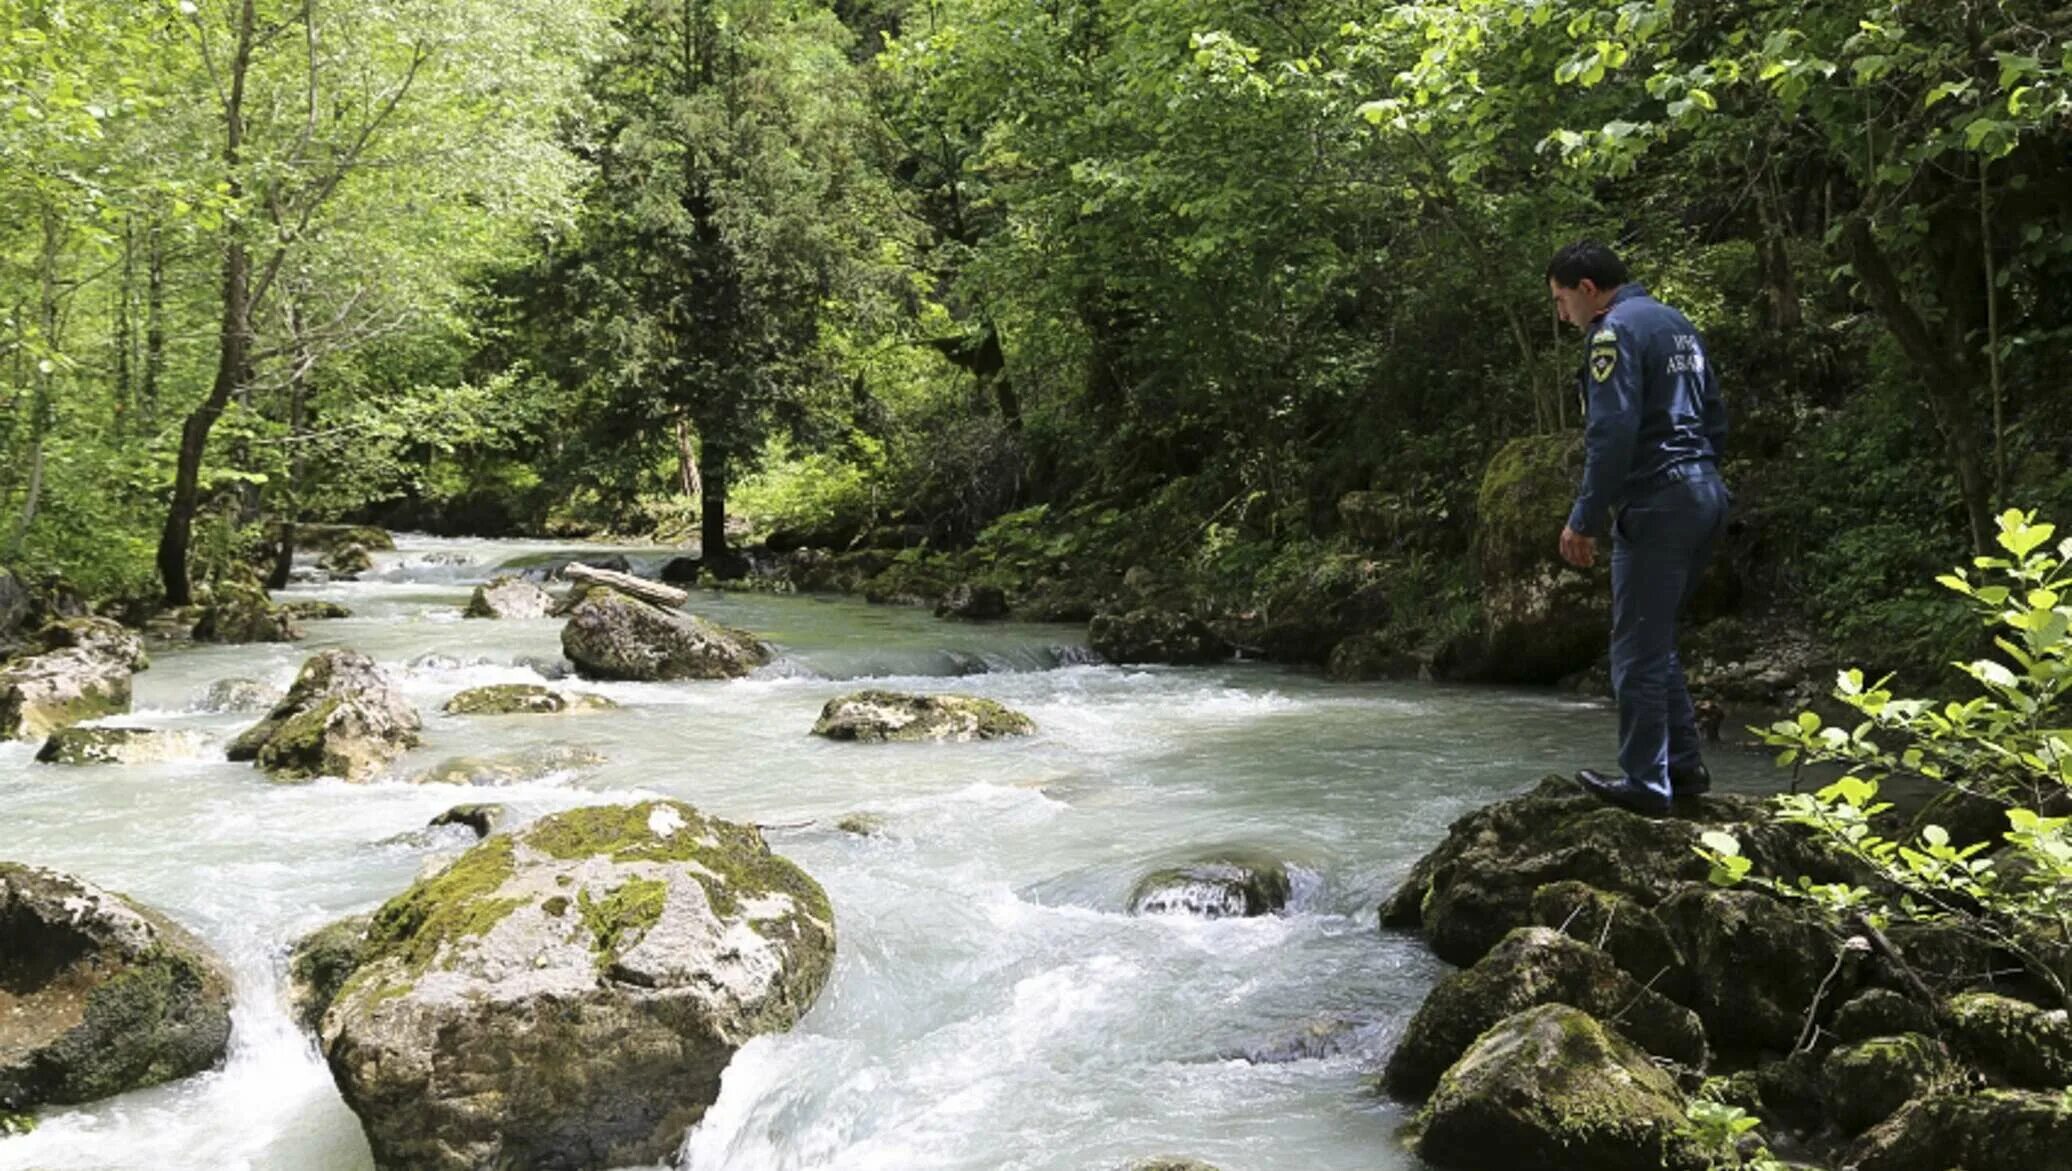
x,y
234,347
1948,382
686,462
712,516
41,405
154,326
125,340
298,422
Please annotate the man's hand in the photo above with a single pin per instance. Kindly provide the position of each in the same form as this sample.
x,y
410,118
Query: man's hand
x,y
1577,549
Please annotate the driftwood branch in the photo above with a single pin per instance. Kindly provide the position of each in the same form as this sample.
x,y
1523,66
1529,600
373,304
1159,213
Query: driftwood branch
x,y
639,587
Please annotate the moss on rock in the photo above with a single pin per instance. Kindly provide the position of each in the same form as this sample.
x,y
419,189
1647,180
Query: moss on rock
x,y
879,716
321,963
1869,1080
2024,1045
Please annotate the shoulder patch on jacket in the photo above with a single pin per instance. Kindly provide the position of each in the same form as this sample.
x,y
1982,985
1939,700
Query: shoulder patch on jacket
x,y
1604,358
1605,335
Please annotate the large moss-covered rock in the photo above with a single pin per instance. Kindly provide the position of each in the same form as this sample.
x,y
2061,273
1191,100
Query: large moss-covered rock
x,y
314,610
77,745
1880,1012
324,539
568,996
1543,618
1155,636
1869,1080
876,716
73,670
2019,1043
508,699
612,636
1995,1130
518,767
348,561
344,717
1761,968
509,597
239,611
1551,1089
97,994
1534,966
1619,926
1231,886
1479,883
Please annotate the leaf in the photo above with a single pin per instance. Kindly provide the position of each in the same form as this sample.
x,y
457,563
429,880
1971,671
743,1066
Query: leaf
x,y
1935,835
1808,722
1721,843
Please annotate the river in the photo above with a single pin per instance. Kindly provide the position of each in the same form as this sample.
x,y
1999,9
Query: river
x,y
992,1006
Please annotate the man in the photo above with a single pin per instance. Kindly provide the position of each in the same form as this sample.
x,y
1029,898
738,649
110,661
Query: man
x,y
1655,432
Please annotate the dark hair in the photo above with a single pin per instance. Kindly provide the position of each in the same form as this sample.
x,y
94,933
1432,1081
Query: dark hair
x,y
1587,260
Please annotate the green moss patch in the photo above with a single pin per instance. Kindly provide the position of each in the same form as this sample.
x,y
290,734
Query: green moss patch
x,y
623,915
735,857
450,905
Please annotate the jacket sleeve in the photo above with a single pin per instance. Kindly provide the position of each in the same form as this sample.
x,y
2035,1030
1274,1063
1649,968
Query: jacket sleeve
x,y
1715,409
1613,372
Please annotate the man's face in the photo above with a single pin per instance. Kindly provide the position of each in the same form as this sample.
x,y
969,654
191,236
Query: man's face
x,y
1577,306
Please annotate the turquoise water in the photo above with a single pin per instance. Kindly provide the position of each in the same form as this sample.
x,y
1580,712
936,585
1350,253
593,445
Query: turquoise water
x,y
992,1005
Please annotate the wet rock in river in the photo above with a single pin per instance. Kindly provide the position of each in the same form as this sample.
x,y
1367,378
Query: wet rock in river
x,y
1552,1089
98,995
612,636
509,597
1232,887
306,611
1533,966
319,964
1169,1163
511,768
483,819
239,611
973,603
344,717
877,716
629,949
239,695
1309,1041
504,699
118,746
348,562
75,669
324,539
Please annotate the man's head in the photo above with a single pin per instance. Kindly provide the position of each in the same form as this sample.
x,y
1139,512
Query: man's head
x,y
1582,277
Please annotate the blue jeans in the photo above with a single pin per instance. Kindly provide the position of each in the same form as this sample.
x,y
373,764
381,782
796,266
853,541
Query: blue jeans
x,y
1661,542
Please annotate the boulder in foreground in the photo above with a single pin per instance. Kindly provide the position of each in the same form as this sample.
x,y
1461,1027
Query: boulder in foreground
x,y
568,995
344,717
74,669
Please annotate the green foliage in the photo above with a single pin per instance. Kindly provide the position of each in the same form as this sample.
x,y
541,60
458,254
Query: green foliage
x,y
2007,744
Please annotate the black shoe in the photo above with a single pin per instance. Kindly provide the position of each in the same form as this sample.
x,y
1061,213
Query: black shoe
x,y
1695,781
1619,791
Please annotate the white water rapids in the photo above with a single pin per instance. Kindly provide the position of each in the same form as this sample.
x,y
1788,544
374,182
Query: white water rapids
x,y
992,1007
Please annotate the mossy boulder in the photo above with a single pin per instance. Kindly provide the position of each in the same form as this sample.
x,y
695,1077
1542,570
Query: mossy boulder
x,y
612,636
1880,1012
98,995
862,825
319,965
239,611
2018,1043
1230,886
1479,882
1155,636
1551,1089
1621,927
569,995
314,610
239,695
76,745
347,561
1870,1079
509,597
344,717
1542,618
1534,966
507,699
73,670
877,716
519,767
1993,1130
1762,970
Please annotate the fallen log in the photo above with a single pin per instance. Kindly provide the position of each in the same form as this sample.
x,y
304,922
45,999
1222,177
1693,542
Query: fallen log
x,y
668,597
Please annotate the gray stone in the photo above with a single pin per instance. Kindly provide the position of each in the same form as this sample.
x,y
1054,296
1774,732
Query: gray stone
x,y
568,996
78,745
509,597
877,716
77,669
344,717
98,996
1229,887
612,636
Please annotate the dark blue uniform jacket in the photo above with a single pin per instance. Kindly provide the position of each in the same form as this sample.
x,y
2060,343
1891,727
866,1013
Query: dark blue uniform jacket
x,y
1653,402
